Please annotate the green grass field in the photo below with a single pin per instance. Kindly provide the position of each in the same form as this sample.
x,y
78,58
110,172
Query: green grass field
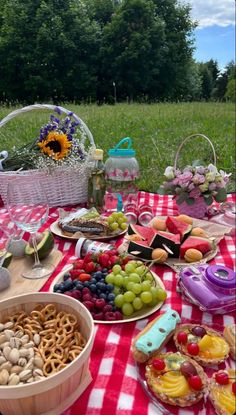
x,y
156,130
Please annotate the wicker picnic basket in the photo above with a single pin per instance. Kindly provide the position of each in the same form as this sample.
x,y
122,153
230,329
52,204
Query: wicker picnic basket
x,y
65,185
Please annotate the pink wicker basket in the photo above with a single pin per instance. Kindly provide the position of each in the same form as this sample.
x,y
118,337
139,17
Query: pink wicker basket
x,y
199,208
64,186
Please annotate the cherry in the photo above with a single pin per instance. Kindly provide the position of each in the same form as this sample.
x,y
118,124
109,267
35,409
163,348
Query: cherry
x,y
182,337
193,349
195,382
222,378
158,364
234,388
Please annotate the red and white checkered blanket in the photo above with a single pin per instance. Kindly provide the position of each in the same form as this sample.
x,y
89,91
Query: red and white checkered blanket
x,y
115,389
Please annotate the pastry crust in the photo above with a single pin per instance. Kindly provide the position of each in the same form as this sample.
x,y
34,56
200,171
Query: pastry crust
x,y
190,399
203,361
142,357
230,336
211,383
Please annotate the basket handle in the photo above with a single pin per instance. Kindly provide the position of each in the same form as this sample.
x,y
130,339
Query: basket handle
x,y
193,136
13,114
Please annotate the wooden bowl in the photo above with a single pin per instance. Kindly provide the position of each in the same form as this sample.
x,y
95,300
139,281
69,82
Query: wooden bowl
x,y
52,395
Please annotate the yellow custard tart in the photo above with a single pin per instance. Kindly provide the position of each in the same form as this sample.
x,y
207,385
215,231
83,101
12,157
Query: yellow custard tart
x,y
176,379
222,387
203,344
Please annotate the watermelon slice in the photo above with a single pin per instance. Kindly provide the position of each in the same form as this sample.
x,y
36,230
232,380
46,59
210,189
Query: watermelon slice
x,y
167,241
143,231
176,226
140,249
203,245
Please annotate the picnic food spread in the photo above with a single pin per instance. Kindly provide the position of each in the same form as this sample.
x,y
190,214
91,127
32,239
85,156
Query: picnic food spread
x,y
171,357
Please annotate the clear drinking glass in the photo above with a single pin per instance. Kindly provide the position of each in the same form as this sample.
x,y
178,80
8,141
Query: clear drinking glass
x,y
28,208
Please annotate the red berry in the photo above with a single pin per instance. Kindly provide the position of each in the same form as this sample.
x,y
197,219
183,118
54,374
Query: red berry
x,y
107,308
222,378
119,315
158,364
98,316
88,305
103,260
84,277
195,382
100,303
125,260
86,290
193,349
109,316
77,294
182,337
79,264
88,258
114,259
111,252
86,297
89,267
74,274
234,388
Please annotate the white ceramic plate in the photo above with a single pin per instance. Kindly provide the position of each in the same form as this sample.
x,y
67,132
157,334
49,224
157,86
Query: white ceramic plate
x,y
57,231
145,312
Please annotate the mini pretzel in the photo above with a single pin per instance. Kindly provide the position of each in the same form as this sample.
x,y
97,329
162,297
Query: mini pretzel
x,y
51,366
74,353
61,337
37,315
49,312
58,353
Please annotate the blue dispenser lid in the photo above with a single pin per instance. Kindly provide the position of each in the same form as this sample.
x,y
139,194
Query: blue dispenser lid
x,y
122,152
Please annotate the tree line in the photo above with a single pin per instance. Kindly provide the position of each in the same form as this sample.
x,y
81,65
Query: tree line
x,y
103,51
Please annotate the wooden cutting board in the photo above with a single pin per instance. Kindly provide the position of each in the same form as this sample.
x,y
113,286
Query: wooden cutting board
x,y
21,285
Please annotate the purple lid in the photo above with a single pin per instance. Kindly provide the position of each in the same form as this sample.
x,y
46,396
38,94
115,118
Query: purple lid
x,y
221,276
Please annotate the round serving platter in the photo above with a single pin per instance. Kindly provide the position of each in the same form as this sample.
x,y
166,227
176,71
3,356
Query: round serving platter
x,y
145,312
56,230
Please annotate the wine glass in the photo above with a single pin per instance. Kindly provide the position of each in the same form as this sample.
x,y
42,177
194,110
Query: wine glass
x,y
28,208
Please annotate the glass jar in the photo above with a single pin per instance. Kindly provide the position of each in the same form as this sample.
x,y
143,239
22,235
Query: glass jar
x,y
84,246
121,172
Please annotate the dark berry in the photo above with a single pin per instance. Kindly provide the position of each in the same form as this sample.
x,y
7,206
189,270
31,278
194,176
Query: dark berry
x,y
111,297
198,331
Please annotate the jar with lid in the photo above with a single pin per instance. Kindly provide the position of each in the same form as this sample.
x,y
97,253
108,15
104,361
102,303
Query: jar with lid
x,y
85,246
121,173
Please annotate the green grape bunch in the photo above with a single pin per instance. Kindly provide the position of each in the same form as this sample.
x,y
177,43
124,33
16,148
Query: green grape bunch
x,y
117,221
134,287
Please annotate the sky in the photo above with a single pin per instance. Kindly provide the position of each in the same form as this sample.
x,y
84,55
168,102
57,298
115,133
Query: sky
x,y
215,34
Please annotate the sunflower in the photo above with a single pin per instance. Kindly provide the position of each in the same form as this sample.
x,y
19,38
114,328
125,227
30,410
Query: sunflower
x,y
55,145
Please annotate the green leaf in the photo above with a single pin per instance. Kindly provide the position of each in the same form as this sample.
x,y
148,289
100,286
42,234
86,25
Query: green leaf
x,y
221,195
190,201
181,198
208,200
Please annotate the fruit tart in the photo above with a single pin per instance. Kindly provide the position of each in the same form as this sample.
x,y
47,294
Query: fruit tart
x,y
205,345
222,388
176,379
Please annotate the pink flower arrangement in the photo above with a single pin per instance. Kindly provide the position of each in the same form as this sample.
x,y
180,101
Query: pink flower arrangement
x,y
194,182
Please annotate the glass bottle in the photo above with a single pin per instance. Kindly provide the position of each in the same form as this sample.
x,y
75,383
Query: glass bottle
x,y
96,184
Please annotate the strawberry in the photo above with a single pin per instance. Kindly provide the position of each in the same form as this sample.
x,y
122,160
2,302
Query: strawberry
x,y
79,264
74,274
89,267
103,260
88,258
